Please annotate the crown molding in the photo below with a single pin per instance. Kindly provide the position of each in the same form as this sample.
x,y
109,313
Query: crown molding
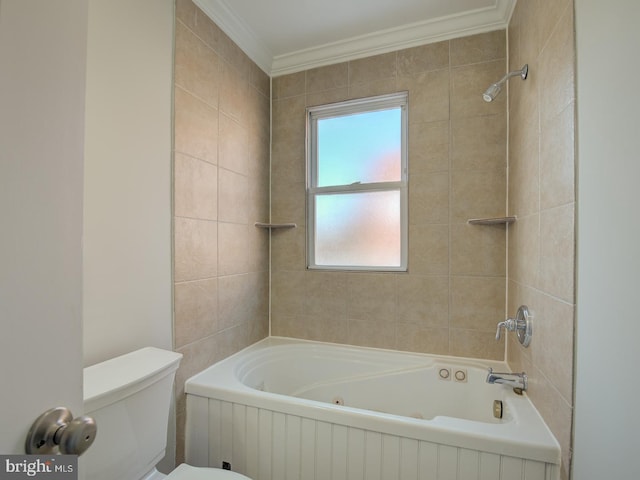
x,y
238,31
407,36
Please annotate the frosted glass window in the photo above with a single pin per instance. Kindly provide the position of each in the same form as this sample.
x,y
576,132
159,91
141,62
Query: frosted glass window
x,y
357,184
358,229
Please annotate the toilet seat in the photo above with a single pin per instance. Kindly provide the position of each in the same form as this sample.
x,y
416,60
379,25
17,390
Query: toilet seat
x,y
187,472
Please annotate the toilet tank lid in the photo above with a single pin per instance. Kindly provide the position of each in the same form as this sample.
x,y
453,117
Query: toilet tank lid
x,y
119,377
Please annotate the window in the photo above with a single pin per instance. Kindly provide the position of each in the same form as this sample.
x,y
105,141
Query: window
x,y
357,184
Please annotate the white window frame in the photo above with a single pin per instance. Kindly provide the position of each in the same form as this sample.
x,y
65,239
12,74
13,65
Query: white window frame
x,y
370,104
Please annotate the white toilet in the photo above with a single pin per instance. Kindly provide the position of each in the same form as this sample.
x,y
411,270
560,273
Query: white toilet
x,y
129,398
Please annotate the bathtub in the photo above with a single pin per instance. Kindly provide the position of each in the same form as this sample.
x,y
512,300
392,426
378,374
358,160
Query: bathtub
x,y
293,409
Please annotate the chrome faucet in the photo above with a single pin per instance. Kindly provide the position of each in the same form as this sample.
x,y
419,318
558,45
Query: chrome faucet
x,y
518,381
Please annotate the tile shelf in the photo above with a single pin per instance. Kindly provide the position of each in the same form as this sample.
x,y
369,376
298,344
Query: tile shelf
x,y
275,225
491,221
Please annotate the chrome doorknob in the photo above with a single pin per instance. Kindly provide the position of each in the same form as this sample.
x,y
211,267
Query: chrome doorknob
x,y
57,431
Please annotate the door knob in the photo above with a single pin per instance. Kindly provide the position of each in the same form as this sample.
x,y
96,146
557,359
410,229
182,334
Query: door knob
x,y
57,431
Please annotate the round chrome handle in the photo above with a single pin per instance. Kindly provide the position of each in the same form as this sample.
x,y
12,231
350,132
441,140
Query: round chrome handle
x,y
56,431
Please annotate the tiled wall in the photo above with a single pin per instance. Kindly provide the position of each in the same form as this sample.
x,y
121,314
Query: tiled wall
x,y
542,194
221,187
453,295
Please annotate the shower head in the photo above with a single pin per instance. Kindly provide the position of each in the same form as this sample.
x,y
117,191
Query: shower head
x,y
494,89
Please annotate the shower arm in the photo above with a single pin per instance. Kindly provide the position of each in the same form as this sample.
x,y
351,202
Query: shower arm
x,y
517,73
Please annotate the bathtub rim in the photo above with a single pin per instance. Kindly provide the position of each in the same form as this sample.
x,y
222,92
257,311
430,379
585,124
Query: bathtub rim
x,y
220,382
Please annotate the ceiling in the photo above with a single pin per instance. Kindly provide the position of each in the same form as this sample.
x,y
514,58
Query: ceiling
x,y
285,36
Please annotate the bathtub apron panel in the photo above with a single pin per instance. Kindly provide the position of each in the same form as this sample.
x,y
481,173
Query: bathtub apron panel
x,y
268,445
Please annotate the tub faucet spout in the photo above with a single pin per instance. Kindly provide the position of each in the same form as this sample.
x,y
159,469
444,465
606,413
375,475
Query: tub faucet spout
x,y
516,380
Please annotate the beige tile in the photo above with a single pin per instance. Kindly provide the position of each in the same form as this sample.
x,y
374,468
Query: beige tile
x,y
372,296
552,347
429,198
259,154
288,203
195,188
479,142
233,244
524,250
530,31
327,78
478,194
477,303
196,357
327,96
429,249
196,127
483,47
424,58
378,334
186,12
208,31
374,88
288,249
232,53
258,199
283,326
415,338
557,252
258,328
428,147
326,295
195,251
289,85
423,300
467,85
475,344
289,136
258,249
369,69
524,123
231,341
197,67
556,65
516,360
287,294
234,91
311,328
233,193
557,160
549,15
477,250
428,96
524,179
260,80
233,146
514,35
557,413
196,310
235,294
258,110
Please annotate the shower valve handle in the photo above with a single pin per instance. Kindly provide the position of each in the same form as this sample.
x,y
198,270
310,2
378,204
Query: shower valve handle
x,y
521,325
509,324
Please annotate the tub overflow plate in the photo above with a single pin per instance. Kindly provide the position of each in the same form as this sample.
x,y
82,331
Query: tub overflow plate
x,y
497,408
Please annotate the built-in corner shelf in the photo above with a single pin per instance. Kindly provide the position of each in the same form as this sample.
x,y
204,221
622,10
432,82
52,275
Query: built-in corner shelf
x,y
275,225
491,221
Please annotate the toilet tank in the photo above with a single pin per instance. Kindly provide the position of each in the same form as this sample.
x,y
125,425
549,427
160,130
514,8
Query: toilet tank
x,y
129,397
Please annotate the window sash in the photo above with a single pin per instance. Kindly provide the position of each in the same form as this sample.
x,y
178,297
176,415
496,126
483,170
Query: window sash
x,y
342,109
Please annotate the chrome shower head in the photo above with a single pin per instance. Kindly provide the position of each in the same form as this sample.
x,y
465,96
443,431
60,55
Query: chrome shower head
x,y
494,89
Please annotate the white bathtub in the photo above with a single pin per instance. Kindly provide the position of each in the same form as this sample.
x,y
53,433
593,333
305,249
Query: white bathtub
x,y
293,409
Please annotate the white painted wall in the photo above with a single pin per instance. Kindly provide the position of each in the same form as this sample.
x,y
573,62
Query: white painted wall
x,y
127,195
607,419
42,93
